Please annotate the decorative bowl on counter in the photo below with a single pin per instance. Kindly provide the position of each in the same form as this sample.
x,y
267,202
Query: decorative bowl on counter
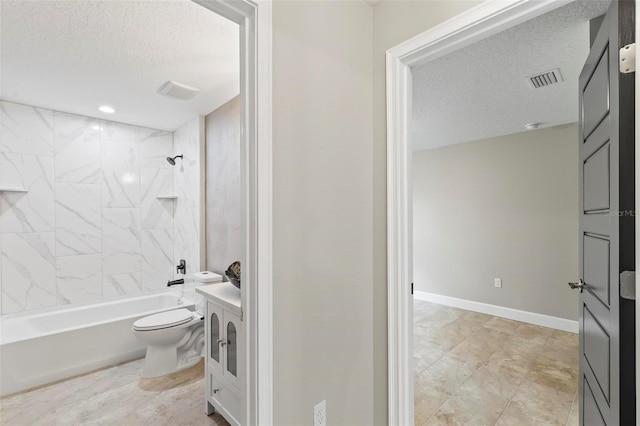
x,y
233,273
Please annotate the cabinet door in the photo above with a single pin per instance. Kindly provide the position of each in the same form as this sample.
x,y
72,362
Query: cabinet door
x,y
232,330
216,353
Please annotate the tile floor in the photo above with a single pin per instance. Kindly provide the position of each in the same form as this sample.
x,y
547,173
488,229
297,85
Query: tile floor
x,y
470,369
115,396
476,369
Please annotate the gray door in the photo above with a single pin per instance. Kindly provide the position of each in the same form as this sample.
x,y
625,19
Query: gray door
x,y
607,365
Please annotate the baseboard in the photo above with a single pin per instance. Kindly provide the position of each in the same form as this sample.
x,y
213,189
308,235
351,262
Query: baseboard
x,y
500,311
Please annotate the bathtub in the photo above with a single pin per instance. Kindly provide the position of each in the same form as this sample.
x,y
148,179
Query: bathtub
x,y
56,343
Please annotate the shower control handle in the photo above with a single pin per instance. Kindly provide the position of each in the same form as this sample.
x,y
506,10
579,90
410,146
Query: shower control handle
x,y
182,267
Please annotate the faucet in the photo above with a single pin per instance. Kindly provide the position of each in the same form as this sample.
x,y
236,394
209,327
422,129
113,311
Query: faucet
x,y
175,282
182,267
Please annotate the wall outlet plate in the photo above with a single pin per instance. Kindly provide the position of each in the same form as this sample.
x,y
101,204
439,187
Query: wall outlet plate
x,y
498,282
320,414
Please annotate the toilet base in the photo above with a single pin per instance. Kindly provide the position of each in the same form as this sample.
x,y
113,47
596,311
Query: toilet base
x,y
161,361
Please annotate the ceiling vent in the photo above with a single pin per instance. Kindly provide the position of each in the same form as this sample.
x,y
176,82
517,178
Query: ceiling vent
x,y
176,90
545,79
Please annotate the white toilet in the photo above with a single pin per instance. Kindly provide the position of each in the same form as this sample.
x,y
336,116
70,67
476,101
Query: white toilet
x,y
174,339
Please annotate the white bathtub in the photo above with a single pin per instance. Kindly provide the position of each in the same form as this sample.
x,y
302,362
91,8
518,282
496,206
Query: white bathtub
x,y
52,344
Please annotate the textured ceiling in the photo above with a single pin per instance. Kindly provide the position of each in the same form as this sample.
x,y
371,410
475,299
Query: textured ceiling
x,y
76,55
480,91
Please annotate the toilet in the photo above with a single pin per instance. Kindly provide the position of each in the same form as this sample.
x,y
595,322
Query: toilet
x,y
175,338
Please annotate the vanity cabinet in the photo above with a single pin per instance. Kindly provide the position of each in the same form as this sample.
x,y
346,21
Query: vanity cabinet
x,y
224,341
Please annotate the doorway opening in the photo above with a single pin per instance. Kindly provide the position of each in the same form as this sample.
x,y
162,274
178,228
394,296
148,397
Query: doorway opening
x,y
403,68
103,138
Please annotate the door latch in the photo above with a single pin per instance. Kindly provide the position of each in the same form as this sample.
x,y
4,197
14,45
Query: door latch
x,y
628,59
580,284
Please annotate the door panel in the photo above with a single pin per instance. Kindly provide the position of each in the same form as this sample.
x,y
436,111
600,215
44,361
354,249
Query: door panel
x,y
596,266
596,351
603,370
596,180
599,369
596,94
591,410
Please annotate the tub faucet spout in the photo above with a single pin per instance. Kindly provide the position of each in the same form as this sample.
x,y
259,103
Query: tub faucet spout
x,y
175,282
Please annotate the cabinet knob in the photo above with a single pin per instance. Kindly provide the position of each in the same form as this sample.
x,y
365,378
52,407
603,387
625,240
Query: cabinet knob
x,y
216,390
222,342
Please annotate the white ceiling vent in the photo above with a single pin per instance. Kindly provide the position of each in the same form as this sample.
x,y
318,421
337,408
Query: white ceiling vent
x,y
545,79
176,90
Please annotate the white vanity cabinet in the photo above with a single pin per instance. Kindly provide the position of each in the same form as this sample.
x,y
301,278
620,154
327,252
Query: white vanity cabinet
x,y
223,366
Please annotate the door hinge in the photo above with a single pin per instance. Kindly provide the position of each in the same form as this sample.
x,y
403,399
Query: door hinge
x,y
628,59
411,288
628,285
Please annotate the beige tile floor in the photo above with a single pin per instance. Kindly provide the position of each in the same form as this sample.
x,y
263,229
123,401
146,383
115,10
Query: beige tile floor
x,y
115,396
475,369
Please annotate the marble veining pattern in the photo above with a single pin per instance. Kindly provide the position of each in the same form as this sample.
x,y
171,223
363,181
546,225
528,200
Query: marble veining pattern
x,y
91,201
78,219
79,278
31,211
77,148
122,284
186,175
114,396
29,265
157,255
25,129
187,170
121,240
475,369
155,147
120,169
156,214
187,236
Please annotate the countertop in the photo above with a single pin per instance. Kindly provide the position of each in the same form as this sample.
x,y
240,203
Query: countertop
x,y
225,294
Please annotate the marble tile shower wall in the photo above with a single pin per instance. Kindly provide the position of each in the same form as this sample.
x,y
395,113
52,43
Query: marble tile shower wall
x,y
90,226
188,141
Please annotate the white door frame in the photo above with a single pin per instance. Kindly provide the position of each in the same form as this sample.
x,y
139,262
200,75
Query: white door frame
x,y
482,21
254,19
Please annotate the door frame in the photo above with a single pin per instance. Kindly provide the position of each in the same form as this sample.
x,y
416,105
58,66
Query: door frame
x,y
255,21
637,207
475,24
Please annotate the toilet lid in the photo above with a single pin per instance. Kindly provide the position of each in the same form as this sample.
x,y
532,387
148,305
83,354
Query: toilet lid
x,y
164,319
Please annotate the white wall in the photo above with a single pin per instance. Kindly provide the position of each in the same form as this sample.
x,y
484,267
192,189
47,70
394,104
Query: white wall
x,y
188,175
223,189
90,226
323,336
504,207
393,22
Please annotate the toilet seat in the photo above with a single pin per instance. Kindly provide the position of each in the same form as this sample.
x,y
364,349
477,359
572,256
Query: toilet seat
x,y
166,319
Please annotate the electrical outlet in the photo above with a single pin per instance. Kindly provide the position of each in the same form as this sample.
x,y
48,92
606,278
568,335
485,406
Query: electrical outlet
x,y
320,414
498,282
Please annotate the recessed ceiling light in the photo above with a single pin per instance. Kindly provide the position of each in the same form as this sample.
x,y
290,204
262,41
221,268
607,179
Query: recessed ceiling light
x,y
532,126
96,127
107,109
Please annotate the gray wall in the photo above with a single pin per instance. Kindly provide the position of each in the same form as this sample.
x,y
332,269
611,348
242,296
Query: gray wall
x,y
393,22
322,212
505,208
223,187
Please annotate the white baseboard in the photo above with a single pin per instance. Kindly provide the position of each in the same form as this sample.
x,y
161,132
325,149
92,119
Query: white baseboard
x,y
500,311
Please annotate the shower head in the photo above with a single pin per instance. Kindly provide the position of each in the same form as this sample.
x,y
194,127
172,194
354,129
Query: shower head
x,y
172,160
